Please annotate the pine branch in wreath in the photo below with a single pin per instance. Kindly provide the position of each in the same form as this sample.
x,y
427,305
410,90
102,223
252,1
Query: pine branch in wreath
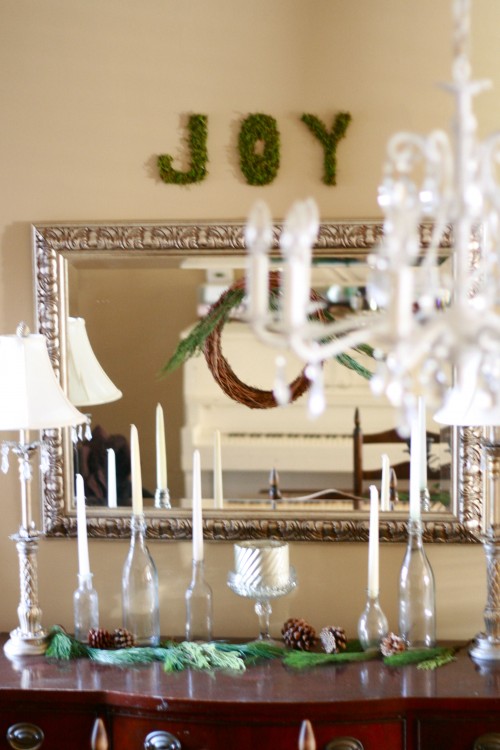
x,y
205,337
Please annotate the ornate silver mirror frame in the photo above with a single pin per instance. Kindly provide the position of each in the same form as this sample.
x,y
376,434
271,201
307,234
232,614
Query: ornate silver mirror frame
x,y
54,243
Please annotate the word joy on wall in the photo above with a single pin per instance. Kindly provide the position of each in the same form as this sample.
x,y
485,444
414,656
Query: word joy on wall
x,y
258,147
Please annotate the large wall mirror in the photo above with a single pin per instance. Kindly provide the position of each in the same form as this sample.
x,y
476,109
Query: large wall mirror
x,y
140,288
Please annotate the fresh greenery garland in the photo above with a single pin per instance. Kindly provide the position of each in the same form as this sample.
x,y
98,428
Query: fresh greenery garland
x,y
197,142
234,656
259,168
329,141
175,656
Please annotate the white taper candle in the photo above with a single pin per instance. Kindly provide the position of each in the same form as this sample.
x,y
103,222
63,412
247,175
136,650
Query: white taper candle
x,y
135,460
112,499
197,514
81,520
415,467
373,544
422,421
218,492
161,452
385,501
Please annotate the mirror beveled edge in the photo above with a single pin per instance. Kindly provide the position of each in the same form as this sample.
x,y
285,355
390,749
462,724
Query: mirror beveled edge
x,y
53,243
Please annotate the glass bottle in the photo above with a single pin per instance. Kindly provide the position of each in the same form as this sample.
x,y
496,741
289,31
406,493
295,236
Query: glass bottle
x,y
198,605
85,607
140,601
417,601
372,625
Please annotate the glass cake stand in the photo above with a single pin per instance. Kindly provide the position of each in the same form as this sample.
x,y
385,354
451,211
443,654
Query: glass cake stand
x,y
262,596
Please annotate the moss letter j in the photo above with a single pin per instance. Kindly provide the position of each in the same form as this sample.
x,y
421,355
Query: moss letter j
x,y
329,141
197,142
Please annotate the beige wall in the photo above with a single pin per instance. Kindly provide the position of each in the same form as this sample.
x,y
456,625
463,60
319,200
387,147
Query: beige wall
x,y
92,91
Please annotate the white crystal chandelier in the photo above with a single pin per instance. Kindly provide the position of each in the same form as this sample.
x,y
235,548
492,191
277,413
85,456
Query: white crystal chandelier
x,y
435,326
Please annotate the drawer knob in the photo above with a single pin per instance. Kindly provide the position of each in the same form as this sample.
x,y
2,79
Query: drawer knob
x,y
488,742
161,740
24,736
344,743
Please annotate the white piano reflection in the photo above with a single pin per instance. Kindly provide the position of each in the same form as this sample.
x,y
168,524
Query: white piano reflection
x,y
310,455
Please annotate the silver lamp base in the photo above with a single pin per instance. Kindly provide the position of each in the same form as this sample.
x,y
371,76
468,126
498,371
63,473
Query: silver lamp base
x,y
485,649
22,644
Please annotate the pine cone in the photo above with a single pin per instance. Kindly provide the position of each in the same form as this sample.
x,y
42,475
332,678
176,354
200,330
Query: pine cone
x,y
100,638
333,639
298,634
123,638
392,644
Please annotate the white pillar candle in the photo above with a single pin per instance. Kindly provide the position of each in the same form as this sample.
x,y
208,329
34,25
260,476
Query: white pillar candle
x,y
385,501
197,515
81,521
373,545
135,460
422,420
218,493
415,467
161,453
112,500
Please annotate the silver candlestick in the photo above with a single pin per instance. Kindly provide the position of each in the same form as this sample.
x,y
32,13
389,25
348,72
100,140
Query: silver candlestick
x,y
486,646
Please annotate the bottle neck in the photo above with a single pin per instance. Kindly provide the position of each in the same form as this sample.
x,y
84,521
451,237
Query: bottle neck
x,y
85,581
415,531
198,571
137,529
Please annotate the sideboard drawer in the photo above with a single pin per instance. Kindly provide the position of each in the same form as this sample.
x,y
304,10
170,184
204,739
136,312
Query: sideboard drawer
x,y
130,732
58,729
452,732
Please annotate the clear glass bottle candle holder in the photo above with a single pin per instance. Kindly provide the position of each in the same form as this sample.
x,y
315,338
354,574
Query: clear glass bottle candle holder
x,y
85,607
140,598
417,600
372,625
199,608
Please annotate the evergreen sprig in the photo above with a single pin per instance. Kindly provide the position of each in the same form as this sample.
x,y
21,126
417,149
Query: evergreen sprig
x,y
426,656
193,344
219,314
308,659
175,656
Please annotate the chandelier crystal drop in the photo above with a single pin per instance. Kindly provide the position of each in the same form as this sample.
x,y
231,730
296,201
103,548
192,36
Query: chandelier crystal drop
x,y
433,317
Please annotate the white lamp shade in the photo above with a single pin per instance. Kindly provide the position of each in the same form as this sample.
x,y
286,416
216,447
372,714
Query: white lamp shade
x,y
30,395
88,384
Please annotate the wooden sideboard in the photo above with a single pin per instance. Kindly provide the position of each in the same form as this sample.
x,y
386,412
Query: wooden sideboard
x,y
352,707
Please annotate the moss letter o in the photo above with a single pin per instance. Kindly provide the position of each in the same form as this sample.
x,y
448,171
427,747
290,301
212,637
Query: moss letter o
x,y
259,147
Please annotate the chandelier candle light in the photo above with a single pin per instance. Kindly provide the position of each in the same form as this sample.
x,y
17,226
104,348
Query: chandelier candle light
x,y
372,625
198,594
162,495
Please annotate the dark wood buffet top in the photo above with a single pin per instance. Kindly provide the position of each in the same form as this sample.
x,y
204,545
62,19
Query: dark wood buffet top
x,y
458,700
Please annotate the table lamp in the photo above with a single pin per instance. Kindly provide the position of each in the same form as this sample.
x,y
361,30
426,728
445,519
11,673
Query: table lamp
x,y
30,399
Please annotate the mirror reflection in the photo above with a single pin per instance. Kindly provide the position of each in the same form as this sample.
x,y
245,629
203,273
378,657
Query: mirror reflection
x,y
140,289
274,457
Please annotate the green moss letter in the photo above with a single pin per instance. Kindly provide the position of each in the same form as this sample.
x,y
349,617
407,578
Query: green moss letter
x,y
259,147
197,142
328,141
